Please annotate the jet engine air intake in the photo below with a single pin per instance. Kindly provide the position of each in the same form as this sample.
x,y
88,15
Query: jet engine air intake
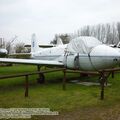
x,y
72,61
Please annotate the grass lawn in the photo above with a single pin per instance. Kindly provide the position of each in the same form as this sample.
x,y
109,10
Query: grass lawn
x,y
78,102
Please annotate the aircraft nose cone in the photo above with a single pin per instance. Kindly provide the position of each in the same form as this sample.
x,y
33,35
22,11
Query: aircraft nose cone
x,y
104,56
4,51
104,50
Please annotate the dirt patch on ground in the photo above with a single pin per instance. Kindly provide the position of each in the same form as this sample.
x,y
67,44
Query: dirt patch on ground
x,y
112,113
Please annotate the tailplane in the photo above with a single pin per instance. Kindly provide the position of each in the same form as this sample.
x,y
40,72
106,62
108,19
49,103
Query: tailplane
x,y
59,41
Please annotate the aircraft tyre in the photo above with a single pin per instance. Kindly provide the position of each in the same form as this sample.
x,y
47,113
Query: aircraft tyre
x,y
41,79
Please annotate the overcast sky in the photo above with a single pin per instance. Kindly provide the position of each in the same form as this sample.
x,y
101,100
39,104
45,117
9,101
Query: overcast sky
x,y
49,17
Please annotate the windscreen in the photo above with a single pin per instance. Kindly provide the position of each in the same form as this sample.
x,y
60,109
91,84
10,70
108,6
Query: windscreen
x,y
82,45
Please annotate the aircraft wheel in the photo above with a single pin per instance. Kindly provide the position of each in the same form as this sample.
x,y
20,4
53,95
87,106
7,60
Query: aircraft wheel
x,y
41,79
83,75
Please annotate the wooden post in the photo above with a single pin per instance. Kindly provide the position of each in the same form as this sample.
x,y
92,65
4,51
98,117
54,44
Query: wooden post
x,y
112,74
102,89
64,79
26,86
102,82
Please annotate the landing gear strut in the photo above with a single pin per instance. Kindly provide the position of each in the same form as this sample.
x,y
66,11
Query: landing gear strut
x,y
41,78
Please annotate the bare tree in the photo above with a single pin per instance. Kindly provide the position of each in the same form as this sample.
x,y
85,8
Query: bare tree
x,y
107,33
19,48
54,41
9,45
64,37
118,29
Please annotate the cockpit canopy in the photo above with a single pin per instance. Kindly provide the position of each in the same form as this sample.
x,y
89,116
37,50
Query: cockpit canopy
x,y
82,45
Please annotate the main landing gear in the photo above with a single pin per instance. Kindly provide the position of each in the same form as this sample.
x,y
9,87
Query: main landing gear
x,y
41,77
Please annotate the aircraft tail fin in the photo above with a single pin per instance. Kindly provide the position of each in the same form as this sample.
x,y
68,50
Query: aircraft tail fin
x,y
34,44
59,41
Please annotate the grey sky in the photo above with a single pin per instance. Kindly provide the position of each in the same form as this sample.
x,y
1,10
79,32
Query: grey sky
x,y
48,17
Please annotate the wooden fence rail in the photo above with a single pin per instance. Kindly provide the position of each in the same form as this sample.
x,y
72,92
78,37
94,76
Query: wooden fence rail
x,y
102,75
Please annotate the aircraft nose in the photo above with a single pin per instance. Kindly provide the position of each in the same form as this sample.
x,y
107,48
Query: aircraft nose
x,y
105,56
105,51
4,51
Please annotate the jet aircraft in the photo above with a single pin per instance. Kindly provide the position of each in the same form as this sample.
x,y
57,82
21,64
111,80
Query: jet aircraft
x,y
3,52
82,53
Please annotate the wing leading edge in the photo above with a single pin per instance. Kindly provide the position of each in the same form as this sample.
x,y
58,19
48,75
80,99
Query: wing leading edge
x,y
31,61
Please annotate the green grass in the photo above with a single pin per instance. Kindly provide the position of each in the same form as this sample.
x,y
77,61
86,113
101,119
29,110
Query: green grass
x,y
51,95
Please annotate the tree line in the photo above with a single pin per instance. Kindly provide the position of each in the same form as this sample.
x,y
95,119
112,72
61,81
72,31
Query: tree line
x,y
107,33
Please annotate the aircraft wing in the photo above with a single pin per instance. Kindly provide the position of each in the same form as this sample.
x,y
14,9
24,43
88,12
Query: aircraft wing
x,y
31,61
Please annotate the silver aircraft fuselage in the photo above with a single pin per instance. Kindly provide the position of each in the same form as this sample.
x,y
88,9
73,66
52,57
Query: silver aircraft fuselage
x,y
100,57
